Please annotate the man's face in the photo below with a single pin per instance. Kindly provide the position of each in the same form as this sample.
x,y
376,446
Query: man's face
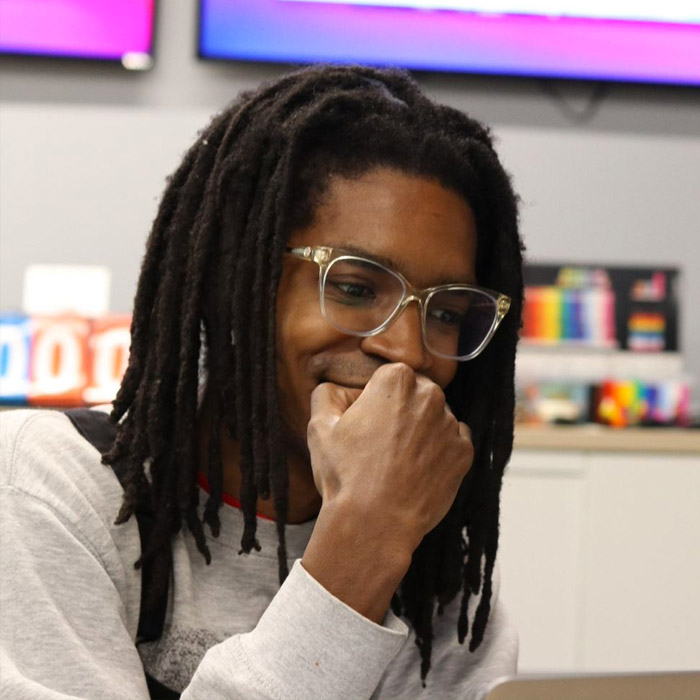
x,y
414,225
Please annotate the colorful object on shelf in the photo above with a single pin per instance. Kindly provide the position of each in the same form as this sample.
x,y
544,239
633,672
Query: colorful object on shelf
x,y
623,403
600,306
646,331
63,360
579,309
614,403
652,289
553,402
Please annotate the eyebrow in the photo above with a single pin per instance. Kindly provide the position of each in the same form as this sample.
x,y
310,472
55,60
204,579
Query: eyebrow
x,y
394,265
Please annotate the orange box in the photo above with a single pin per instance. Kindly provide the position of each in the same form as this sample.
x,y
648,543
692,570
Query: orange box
x,y
59,360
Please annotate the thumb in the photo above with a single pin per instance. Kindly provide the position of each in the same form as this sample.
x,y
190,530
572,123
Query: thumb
x,y
330,400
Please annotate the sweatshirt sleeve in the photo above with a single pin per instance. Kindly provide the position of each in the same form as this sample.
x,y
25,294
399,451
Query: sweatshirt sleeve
x,y
308,644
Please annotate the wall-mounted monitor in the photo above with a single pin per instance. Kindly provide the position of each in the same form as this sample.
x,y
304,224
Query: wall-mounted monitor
x,y
612,40
108,30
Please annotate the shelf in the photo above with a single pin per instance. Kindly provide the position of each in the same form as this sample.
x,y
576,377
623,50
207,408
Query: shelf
x,y
569,363
598,438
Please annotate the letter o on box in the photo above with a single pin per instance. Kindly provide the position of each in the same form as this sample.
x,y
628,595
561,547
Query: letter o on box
x,y
109,357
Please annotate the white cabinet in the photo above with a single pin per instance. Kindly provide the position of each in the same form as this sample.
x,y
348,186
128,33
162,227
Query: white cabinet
x,y
600,559
541,517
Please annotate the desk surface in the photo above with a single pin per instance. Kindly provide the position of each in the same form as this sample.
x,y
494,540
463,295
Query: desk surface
x,y
598,438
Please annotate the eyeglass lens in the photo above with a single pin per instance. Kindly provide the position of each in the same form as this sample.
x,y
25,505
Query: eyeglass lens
x,y
360,295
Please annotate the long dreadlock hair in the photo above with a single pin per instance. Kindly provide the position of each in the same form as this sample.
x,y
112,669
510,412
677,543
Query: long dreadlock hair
x,y
209,280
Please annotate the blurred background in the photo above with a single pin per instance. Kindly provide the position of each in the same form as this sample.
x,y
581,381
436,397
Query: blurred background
x,y
597,118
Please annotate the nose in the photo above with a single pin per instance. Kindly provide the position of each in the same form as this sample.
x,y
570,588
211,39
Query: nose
x,y
402,341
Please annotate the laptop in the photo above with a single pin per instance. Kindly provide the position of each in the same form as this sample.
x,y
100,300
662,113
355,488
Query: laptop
x,y
681,685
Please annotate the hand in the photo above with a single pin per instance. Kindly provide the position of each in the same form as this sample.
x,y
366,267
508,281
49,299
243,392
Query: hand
x,y
391,457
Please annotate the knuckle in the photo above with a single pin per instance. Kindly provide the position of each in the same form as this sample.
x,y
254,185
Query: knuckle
x,y
450,421
400,370
434,394
397,373
424,381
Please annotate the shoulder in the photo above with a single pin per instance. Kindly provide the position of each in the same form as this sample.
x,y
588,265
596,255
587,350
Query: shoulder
x,y
41,451
46,462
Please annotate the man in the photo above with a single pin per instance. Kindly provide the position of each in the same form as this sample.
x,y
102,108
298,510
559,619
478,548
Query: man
x,y
316,345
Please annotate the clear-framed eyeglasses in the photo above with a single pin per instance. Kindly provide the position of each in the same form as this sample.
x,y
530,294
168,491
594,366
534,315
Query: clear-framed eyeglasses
x,y
362,297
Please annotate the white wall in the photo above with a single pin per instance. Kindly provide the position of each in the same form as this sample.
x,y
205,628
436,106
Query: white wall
x,y
85,149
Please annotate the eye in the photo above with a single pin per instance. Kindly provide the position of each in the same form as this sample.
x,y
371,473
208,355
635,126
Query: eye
x,y
354,289
446,317
350,291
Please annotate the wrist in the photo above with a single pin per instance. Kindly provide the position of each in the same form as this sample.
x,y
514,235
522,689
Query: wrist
x,y
356,558
370,527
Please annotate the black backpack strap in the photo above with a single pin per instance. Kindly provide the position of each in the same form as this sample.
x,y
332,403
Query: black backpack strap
x,y
97,428
158,691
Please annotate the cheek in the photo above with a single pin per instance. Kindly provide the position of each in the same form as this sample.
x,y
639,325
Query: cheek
x,y
302,333
291,379
297,302
292,331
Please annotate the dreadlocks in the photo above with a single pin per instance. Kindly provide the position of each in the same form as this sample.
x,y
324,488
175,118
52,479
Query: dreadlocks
x,y
209,282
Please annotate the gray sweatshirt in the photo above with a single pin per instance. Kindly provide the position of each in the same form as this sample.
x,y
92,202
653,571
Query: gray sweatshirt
x,y
69,601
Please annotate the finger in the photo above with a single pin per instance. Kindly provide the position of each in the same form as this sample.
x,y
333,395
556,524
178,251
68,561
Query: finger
x,y
332,400
394,377
427,382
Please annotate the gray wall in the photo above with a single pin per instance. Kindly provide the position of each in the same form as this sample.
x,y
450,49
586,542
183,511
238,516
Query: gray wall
x,y
85,149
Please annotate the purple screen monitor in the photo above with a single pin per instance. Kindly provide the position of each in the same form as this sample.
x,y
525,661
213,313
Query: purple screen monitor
x,y
582,39
112,30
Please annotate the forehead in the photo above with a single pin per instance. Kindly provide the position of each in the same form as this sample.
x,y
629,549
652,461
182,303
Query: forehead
x,y
419,227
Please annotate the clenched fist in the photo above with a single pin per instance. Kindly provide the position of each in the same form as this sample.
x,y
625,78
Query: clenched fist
x,y
388,461
395,449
